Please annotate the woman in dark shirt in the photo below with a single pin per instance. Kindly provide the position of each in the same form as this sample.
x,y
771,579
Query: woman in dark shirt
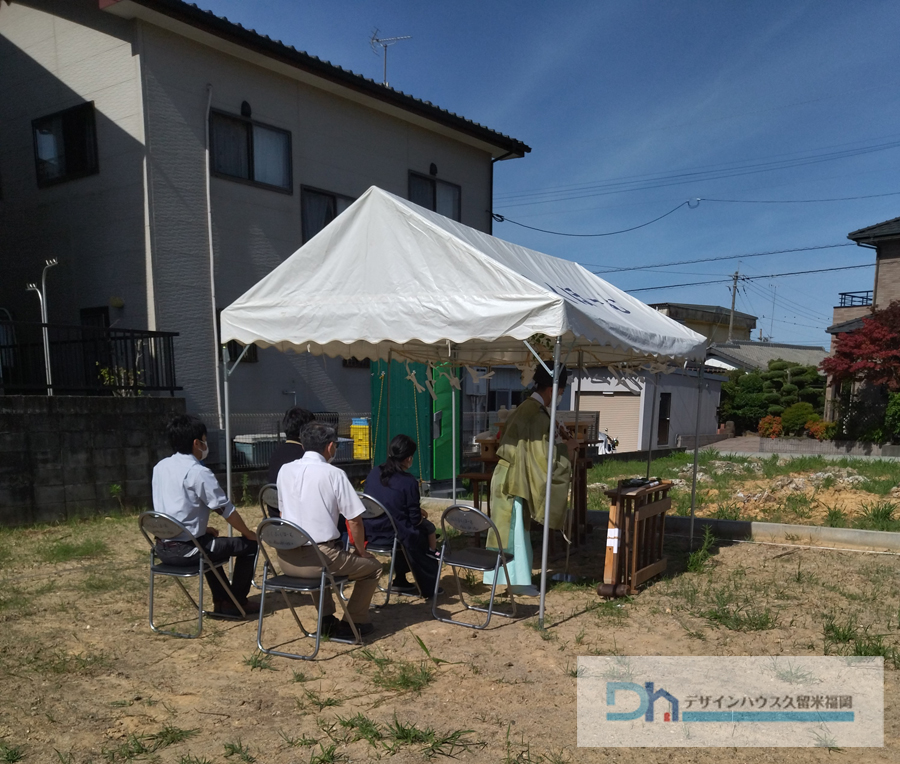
x,y
391,485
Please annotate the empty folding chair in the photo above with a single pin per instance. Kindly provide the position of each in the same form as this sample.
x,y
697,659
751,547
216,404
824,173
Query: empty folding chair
x,y
375,508
284,535
155,525
471,522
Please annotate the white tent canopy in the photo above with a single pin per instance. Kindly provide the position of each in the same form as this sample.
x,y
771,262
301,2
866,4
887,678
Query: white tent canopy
x,y
388,275
390,279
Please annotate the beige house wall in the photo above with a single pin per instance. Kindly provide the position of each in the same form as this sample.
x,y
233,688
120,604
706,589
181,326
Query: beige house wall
x,y
55,55
887,274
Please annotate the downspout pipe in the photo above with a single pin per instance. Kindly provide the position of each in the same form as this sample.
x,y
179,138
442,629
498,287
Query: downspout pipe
x,y
494,161
212,266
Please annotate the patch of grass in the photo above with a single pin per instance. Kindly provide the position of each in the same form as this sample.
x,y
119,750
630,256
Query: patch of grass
x,y
14,599
259,661
11,753
878,516
98,584
872,645
240,750
315,699
188,759
404,676
363,728
839,633
799,505
327,755
792,674
66,551
58,662
699,557
433,743
170,735
576,671
299,676
543,633
132,748
730,511
741,618
835,517
297,742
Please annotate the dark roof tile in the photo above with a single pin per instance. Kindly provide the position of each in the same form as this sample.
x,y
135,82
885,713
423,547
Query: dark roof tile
x,y
880,230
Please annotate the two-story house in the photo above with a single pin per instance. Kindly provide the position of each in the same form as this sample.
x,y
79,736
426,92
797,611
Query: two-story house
x,y
170,159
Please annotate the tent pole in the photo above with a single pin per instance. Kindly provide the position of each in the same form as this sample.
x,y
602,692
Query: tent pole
x,y
696,453
453,437
652,418
551,445
387,424
227,396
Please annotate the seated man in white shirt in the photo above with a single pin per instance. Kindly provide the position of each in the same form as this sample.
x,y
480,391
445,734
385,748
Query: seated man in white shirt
x,y
187,491
313,494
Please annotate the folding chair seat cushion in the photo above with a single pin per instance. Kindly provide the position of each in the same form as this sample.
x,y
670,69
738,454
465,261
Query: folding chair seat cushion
x,y
474,559
162,569
295,584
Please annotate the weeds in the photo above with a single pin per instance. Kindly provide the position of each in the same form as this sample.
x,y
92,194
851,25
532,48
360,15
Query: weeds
x,y
327,755
299,676
10,753
835,517
319,702
699,557
188,759
742,618
400,676
878,517
433,744
240,750
170,735
297,742
259,661
363,728
63,551
731,511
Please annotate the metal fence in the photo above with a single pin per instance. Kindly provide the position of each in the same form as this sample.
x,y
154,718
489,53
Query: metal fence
x,y
85,360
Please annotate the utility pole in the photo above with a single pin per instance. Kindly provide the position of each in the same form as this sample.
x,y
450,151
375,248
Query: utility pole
x,y
733,298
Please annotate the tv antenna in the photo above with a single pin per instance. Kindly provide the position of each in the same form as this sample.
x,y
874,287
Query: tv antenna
x,y
385,43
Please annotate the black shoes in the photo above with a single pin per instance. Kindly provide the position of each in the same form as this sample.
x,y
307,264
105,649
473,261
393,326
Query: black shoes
x,y
226,609
404,587
345,632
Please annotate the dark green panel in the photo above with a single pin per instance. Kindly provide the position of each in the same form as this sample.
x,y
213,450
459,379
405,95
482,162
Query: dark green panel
x,y
407,408
443,446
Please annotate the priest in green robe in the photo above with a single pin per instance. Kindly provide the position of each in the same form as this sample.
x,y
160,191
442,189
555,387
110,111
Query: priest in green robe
x,y
519,482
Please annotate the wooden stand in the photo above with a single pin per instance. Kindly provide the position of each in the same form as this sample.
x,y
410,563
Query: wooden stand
x,y
634,540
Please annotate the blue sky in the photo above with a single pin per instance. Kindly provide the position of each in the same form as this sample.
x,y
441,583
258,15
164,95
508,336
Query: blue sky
x,y
632,108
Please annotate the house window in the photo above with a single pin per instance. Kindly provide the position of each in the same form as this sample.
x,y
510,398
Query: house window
x,y
245,150
318,209
65,145
436,195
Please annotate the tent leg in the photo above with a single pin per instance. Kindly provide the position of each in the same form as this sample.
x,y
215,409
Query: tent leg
x,y
453,437
227,396
696,454
550,453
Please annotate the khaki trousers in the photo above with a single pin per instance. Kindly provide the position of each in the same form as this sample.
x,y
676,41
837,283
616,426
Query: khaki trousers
x,y
304,563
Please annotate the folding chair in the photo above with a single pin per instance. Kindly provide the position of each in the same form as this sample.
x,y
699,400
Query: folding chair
x,y
471,522
268,497
375,508
283,535
155,525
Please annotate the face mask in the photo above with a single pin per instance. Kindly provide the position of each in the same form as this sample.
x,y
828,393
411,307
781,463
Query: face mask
x,y
204,450
559,400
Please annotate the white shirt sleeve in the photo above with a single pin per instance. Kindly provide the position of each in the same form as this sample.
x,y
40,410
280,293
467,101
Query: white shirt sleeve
x,y
204,484
348,501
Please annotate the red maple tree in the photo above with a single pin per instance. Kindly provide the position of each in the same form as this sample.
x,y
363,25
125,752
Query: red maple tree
x,y
869,354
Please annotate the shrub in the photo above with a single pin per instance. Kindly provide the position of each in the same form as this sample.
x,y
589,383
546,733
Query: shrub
x,y
817,429
770,427
796,416
892,415
776,410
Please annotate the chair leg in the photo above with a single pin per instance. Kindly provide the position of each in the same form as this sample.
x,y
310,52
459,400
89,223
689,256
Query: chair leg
x,y
317,634
154,628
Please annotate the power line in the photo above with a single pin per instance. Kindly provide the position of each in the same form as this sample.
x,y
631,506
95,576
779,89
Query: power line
x,y
502,219
799,201
725,257
751,278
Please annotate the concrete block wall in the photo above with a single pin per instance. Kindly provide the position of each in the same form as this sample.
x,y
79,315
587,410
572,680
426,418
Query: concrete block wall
x,y
60,456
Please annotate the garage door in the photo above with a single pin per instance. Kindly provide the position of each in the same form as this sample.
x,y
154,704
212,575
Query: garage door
x,y
620,414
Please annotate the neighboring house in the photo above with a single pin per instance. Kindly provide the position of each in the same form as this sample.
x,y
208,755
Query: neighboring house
x,y
756,355
711,321
852,307
629,412
170,159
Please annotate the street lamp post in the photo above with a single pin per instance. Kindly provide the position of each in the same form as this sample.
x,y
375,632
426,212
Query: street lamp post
x,y
42,299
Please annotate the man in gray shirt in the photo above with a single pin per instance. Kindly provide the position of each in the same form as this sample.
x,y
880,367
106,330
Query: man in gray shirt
x,y
187,491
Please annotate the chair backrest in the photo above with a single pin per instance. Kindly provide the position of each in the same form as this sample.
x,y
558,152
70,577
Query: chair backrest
x,y
284,535
374,508
268,497
467,520
157,525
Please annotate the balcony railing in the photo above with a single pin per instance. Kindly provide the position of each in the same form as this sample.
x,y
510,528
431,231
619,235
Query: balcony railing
x,y
85,360
854,299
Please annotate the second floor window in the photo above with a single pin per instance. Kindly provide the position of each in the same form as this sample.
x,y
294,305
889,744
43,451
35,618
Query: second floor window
x,y
65,145
249,151
436,195
318,209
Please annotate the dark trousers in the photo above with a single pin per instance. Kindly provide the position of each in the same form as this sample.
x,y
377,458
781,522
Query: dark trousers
x,y
424,568
217,548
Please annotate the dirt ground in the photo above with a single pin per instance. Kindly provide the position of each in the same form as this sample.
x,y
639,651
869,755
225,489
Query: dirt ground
x,y
85,680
